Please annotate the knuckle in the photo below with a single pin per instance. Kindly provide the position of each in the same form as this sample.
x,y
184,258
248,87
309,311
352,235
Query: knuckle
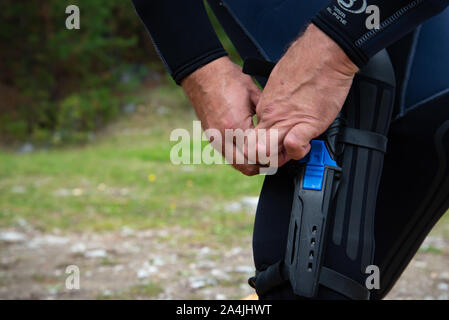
x,y
291,143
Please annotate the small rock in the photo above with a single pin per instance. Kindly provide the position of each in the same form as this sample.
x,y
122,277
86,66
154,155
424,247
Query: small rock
x,y
163,233
420,264
52,291
219,274
234,207
26,148
244,269
434,242
204,251
233,252
444,275
126,77
47,240
118,268
220,296
173,258
206,292
129,108
21,222
157,261
197,284
107,293
443,286
12,236
78,248
126,231
62,193
162,110
206,264
77,192
201,282
97,253
130,247
146,270
250,202
18,189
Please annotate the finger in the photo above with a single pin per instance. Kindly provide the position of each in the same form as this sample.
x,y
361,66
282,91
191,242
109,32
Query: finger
x,y
283,158
236,158
297,141
255,97
269,142
249,148
248,170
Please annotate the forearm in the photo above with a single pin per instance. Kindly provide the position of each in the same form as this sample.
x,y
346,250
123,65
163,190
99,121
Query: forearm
x,y
182,34
345,23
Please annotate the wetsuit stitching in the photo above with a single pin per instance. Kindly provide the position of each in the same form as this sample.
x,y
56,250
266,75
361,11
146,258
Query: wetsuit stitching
x,y
389,21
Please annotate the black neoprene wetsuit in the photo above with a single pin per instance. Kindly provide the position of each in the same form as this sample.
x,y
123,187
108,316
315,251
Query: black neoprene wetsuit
x,y
185,39
414,187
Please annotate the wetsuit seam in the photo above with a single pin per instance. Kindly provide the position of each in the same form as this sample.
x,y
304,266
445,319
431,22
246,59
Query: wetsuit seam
x,y
428,99
411,59
183,71
394,18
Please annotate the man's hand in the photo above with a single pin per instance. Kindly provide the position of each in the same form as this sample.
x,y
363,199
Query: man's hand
x,y
224,98
304,93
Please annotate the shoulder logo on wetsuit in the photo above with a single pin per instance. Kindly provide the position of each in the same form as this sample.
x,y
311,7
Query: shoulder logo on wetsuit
x,y
353,6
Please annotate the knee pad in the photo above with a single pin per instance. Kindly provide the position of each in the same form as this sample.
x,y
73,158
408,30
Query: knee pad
x,y
331,231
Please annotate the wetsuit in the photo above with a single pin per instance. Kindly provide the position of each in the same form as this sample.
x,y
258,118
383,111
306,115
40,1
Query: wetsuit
x,y
414,188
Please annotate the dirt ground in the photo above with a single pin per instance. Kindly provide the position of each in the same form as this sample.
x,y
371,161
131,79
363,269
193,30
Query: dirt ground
x,y
161,264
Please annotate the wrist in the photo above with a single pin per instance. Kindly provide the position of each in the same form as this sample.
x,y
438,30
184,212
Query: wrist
x,y
329,51
206,73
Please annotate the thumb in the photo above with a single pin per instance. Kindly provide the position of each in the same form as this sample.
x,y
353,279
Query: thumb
x,y
297,141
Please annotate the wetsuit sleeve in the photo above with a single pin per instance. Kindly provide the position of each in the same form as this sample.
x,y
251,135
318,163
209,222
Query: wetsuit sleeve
x,y
181,33
345,21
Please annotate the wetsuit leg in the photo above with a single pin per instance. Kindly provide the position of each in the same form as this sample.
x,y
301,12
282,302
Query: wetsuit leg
x,y
414,190
414,187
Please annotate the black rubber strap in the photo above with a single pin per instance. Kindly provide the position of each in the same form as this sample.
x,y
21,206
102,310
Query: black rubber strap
x,y
258,68
343,285
277,274
272,277
365,139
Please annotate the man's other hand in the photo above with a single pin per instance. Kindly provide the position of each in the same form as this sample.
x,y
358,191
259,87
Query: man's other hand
x,y
224,98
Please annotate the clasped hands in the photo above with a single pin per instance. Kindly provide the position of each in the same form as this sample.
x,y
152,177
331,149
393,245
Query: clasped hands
x,y
303,96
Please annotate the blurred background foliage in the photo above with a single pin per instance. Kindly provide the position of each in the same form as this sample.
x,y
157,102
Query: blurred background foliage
x,y
65,179
59,85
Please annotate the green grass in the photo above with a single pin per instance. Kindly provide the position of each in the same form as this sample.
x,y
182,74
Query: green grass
x,y
142,291
105,185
